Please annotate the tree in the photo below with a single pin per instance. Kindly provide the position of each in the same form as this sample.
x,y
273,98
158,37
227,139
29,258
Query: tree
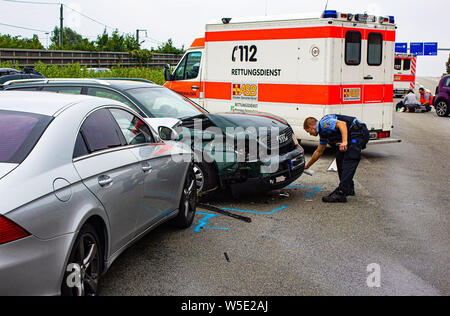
x,y
448,65
117,42
71,40
168,48
8,41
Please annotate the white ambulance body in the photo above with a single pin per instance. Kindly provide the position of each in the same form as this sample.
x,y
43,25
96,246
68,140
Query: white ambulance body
x,y
295,68
405,66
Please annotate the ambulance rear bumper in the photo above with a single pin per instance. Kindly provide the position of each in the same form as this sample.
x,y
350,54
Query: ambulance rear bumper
x,y
384,141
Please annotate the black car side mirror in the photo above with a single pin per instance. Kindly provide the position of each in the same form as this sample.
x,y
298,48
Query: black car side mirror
x,y
167,74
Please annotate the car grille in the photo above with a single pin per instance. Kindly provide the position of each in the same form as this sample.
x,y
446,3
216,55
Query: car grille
x,y
284,144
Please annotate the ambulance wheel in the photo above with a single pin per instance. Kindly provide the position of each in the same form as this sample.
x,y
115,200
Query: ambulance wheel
x,y
442,108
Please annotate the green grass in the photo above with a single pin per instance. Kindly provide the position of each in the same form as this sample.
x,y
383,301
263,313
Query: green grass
x,y
155,75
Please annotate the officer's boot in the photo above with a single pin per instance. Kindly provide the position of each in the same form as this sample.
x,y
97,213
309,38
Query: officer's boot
x,y
335,197
351,192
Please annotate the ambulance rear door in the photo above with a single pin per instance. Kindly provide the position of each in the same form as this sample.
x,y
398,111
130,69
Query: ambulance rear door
x,y
375,60
352,72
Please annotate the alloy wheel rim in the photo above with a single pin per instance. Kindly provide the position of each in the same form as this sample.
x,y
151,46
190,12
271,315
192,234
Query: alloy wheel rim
x,y
199,178
88,260
189,195
441,108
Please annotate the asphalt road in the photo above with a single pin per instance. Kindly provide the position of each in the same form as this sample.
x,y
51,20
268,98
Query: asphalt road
x,y
296,245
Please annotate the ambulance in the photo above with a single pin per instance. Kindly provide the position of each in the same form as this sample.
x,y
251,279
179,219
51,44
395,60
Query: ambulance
x,y
295,67
405,66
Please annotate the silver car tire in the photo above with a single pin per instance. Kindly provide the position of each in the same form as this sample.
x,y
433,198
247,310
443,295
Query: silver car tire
x,y
188,203
87,255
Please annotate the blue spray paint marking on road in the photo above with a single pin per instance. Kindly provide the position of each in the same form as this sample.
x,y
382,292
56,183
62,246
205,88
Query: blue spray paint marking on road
x,y
204,221
315,189
255,212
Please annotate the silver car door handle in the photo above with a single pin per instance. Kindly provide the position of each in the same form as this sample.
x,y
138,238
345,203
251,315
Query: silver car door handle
x,y
195,88
146,167
104,181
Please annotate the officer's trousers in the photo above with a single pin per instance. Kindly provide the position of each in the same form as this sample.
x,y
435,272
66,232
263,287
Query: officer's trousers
x,y
348,162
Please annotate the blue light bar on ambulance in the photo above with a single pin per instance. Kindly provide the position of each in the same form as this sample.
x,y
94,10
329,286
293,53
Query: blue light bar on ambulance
x,y
391,19
330,14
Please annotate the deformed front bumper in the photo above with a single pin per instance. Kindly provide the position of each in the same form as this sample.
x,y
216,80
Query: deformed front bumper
x,y
290,167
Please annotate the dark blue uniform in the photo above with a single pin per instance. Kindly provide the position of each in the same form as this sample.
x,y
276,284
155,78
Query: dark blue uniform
x,y
358,137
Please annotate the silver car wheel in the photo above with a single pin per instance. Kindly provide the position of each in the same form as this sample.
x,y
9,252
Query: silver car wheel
x,y
441,108
189,196
199,178
88,260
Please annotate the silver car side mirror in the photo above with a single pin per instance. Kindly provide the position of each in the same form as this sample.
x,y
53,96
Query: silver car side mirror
x,y
167,133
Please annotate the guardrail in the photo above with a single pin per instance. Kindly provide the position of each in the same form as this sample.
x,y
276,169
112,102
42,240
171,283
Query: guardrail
x,y
28,58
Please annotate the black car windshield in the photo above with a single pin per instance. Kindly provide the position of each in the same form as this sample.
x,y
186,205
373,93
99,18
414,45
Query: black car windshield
x,y
19,133
162,102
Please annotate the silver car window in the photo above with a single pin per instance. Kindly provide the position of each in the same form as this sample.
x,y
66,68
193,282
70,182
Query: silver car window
x,y
133,129
19,133
100,132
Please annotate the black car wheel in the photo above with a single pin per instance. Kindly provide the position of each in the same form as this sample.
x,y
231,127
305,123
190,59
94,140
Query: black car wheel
x,y
84,265
188,204
442,108
206,177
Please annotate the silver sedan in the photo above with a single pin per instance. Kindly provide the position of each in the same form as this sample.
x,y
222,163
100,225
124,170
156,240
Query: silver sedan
x,y
81,179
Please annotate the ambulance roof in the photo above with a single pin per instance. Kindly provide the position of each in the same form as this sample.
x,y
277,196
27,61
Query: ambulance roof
x,y
285,17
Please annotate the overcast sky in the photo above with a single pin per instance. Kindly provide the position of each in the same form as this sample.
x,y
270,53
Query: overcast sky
x,y
183,20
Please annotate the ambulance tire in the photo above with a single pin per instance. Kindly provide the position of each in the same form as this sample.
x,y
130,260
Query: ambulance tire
x,y
207,177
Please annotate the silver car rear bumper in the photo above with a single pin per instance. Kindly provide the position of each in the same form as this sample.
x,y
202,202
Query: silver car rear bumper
x,y
32,267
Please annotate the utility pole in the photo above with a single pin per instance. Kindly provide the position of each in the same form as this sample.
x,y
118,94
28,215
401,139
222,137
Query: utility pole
x,y
61,26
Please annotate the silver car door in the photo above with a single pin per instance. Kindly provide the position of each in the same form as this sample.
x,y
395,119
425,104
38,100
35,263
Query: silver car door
x,y
163,177
110,171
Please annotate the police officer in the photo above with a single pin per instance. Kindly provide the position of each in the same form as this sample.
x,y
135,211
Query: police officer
x,y
352,136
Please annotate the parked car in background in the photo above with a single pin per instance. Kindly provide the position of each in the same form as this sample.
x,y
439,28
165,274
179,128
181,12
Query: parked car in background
x,y
442,98
99,70
81,179
9,74
240,172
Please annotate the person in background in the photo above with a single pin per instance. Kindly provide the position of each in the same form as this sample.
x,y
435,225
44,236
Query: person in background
x,y
409,103
426,99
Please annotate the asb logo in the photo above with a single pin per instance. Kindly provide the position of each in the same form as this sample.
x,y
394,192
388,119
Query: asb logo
x,y
352,94
245,90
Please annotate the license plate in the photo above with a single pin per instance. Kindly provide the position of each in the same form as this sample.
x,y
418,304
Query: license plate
x,y
373,135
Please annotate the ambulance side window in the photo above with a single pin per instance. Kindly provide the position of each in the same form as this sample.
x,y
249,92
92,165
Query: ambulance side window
x,y
398,64
407,64
193,65
353,41
179,72
375,49
189,68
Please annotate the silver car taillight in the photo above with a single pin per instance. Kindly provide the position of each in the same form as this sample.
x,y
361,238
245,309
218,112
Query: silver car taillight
x,y
10,231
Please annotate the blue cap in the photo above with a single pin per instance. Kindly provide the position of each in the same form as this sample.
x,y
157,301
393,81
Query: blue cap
x,y
391,19
330,14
